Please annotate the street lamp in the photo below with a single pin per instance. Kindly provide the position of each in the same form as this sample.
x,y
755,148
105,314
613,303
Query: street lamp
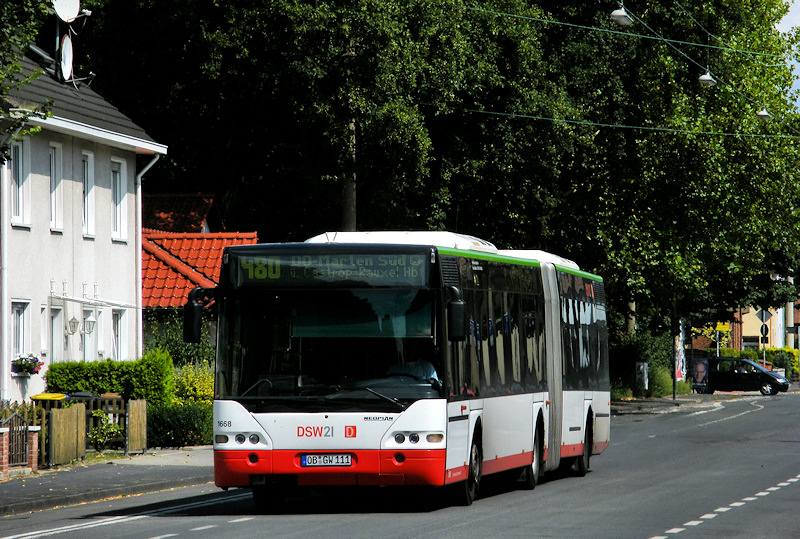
x,y
621,17
707,80
763,113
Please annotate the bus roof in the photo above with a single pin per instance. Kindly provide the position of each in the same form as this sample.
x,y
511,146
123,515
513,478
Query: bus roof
x,y
541,256
450,240
435,238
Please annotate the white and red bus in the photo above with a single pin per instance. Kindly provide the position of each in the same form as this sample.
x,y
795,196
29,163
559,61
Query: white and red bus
x,y
403,358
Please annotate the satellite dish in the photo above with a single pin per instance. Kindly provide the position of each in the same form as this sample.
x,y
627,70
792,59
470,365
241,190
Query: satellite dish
x,y
65,58
67,10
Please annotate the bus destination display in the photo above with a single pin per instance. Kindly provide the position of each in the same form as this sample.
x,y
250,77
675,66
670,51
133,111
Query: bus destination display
x,y
326,269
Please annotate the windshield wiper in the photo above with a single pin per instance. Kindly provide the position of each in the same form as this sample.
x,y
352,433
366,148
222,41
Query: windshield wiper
x,y
386,397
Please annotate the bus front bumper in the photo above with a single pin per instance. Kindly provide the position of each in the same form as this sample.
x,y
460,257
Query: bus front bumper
x,y
242,468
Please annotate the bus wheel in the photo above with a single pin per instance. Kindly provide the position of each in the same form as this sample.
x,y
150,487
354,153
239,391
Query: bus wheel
x,y
473,482
267,499
582,463
530,474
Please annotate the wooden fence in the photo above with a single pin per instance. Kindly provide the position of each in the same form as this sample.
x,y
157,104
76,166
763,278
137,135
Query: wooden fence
x,y
65,424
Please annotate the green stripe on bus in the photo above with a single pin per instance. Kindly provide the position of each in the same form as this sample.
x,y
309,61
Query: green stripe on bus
x,y
513,260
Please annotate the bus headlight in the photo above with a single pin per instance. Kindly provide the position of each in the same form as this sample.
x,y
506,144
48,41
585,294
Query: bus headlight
x,y
254,439
240,438
413,437
221,439
434,438
399,438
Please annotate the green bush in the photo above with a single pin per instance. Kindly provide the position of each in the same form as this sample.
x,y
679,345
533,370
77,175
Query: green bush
x,y
105,432
656,351
154,378
148,378
659,381
194,383
620,392
179,425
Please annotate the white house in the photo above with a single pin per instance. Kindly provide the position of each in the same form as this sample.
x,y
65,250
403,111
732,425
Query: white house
x,y
70,231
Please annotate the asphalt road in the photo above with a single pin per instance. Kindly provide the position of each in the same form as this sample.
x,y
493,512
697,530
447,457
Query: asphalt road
x,y
727,468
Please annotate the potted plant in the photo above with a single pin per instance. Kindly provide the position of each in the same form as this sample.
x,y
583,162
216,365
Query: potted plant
x,y
29,364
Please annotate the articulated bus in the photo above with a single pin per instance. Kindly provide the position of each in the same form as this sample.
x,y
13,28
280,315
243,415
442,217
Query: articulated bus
x,y
403,358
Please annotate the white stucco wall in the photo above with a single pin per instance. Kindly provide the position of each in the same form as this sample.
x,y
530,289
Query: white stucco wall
x,y
65,271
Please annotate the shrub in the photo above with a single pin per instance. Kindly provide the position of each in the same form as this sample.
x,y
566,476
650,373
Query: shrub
x,y
194,383
105,432
656,351
659,381
154,378
179,425
148,378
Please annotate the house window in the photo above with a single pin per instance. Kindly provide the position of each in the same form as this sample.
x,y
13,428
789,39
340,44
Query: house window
x,y
119,343
57,330
119,208
20,333
56,191
20,186
88,194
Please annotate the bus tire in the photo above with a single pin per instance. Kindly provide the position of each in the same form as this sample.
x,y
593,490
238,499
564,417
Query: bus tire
x,y
472,485
582,463
530,474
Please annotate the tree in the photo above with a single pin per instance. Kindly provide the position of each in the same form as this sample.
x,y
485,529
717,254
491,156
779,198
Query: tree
x,y
536,125
19,23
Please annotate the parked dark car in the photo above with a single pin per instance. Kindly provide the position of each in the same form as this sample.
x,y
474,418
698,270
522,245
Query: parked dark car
x,y
731,374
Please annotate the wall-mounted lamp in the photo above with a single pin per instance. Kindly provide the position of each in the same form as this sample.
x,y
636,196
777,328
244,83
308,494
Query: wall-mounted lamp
x,y
73,325
707,80
88,325
621,17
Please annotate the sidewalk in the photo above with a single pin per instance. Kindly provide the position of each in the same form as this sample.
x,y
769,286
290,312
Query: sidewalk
x,y
666,405
80,483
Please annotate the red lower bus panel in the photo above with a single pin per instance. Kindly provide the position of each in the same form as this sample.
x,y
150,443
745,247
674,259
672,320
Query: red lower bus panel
x,y
374,467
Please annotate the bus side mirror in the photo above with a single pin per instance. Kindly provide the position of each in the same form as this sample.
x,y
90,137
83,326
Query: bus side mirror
x,y
193,313
456,316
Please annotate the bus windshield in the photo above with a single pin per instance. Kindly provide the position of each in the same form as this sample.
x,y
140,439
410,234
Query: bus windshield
x,y
301,349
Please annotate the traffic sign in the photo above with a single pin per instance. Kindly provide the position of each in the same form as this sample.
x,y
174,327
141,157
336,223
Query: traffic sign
x,y
764,330
764,315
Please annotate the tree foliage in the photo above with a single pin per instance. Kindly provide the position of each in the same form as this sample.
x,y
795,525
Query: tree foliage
x,y
537,125
19,24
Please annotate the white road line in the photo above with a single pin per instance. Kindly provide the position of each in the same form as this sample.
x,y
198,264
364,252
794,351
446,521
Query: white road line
x,y
124,520
721,510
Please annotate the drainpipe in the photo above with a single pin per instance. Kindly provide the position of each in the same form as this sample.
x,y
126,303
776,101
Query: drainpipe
x,y
139,319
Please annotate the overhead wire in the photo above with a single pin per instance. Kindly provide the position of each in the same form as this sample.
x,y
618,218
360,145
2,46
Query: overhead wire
x,y
656,36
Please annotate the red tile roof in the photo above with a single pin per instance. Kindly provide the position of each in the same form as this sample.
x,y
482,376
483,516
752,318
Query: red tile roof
x,y
173,263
